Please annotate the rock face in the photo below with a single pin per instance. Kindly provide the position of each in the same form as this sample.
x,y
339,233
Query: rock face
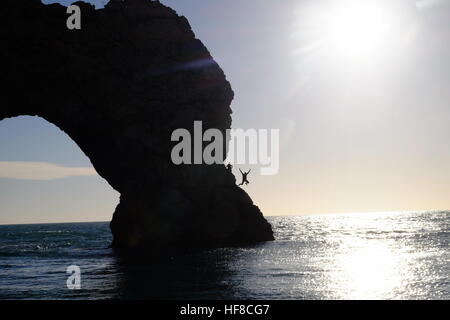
x,y
119,87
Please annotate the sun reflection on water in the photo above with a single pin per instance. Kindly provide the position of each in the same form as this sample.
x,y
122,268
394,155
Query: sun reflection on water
x,y
366,264
358,256
367,270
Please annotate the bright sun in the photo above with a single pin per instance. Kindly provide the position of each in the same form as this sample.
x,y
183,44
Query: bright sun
x,y
349,28
359,27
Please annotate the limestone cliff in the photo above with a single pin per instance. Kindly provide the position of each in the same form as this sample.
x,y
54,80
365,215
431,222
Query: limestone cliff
x,y
119,87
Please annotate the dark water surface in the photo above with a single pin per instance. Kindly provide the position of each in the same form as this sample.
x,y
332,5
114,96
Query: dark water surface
x,y
343,256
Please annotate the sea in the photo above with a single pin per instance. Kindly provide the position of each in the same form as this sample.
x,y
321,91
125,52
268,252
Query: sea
x,y
402,255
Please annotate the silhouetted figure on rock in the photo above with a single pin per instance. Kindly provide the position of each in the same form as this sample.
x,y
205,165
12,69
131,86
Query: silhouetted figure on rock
x,y
244,177
229,167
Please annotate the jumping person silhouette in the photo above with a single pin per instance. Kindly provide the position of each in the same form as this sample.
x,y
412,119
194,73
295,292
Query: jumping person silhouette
x,y
244,177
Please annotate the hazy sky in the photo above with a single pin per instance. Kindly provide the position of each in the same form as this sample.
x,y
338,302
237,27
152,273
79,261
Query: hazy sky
x,y
359,89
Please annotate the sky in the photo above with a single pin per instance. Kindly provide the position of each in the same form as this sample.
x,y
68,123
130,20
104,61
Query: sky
x,y
359,90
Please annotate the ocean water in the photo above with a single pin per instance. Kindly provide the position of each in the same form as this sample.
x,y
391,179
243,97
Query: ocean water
x,y
342,256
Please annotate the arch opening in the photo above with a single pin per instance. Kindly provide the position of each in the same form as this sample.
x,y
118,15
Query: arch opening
x,y
46,178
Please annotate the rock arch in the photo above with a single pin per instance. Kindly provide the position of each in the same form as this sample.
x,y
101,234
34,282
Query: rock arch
x,y
119,87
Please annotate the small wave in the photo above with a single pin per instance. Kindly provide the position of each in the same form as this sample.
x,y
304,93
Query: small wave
x,y
23,247
47,231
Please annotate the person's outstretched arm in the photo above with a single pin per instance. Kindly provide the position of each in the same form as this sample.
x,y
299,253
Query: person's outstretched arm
x,y
241,171
249,171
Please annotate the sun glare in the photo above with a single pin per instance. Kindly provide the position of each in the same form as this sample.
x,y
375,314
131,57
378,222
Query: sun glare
x,y
359,27
346,29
